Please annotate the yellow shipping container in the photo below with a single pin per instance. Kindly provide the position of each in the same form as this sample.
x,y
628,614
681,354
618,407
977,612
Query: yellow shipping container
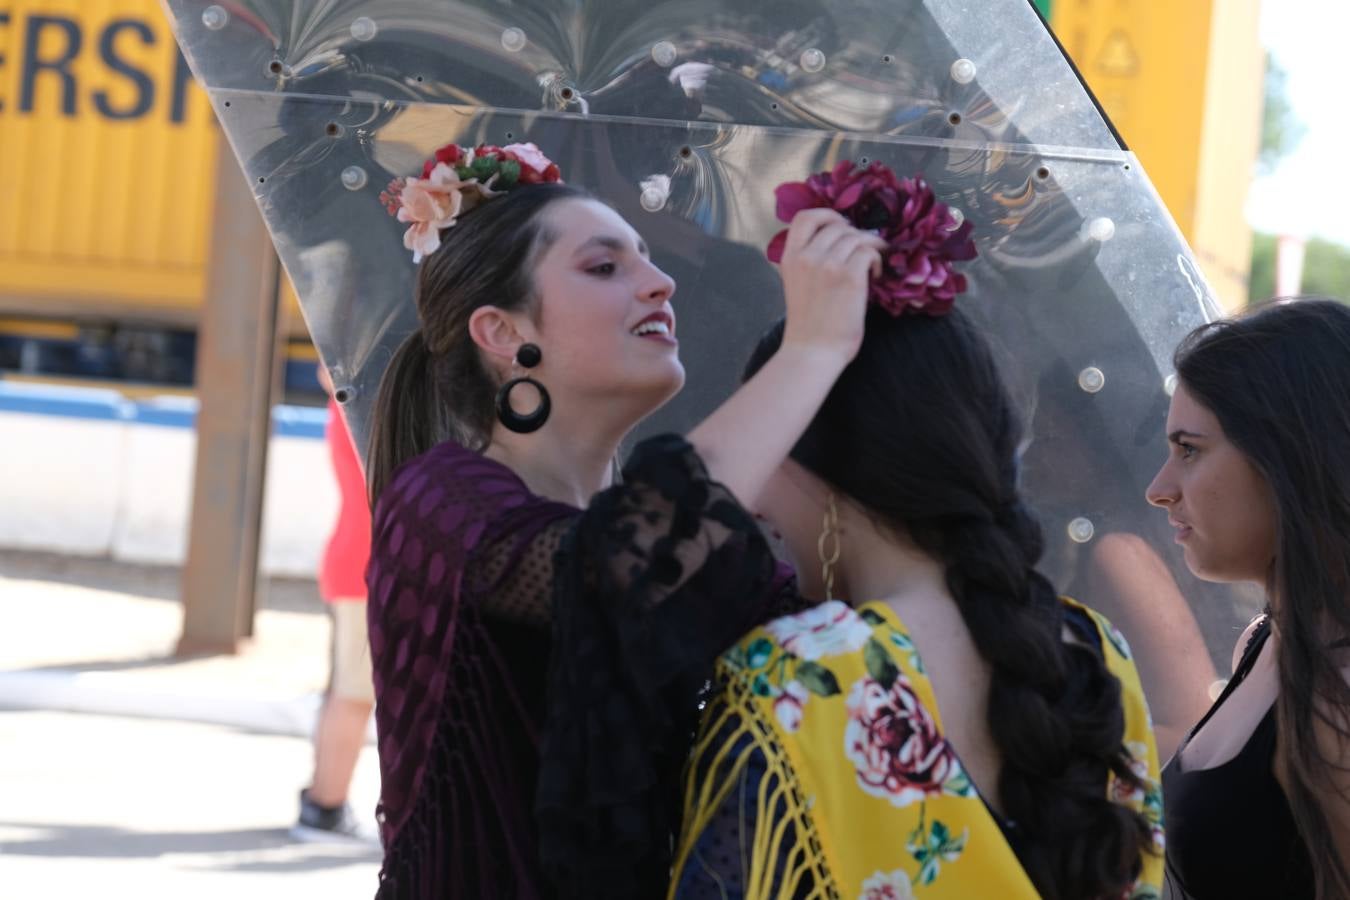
x,y
107,148
1182,82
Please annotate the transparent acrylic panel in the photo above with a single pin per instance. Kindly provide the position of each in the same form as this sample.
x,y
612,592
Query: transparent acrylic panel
x,y
1082,277
949,69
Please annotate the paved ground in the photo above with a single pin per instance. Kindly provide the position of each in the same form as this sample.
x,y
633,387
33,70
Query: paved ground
x,y
125,772
97,806
97,636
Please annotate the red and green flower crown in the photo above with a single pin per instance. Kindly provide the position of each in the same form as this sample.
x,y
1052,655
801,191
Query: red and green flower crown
x,y
457,179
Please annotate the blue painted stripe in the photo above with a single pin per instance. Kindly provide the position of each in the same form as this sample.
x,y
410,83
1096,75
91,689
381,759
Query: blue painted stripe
x,y
299,421
95,404
166,412
72,403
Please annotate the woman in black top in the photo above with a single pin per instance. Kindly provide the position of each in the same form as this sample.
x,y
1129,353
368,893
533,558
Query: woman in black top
x,y
1257,486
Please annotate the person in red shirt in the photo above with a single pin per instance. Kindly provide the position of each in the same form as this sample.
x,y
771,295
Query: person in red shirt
x,y
345,716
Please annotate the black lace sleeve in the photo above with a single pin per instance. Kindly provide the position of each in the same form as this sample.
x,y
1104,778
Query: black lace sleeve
x,y
657,577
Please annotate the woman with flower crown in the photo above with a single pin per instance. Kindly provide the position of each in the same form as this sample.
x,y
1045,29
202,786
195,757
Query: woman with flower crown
x,y
944,725
540,630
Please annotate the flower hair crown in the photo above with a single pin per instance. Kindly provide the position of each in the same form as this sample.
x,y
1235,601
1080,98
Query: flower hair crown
x,y
923,235
456,180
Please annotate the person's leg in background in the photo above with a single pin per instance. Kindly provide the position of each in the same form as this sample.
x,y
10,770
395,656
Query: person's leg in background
x,y
341,731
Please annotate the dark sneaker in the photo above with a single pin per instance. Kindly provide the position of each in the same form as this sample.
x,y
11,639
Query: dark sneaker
x,y
330,823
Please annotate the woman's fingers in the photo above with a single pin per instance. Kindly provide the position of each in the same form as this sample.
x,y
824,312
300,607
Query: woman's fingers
x,y
807,224
834,242
824,233
866,258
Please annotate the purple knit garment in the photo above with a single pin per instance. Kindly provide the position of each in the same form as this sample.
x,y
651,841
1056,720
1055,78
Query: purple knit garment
x,y
538,669
438,671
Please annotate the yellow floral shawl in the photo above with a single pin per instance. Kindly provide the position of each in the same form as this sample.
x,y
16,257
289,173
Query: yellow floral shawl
x,y
886,818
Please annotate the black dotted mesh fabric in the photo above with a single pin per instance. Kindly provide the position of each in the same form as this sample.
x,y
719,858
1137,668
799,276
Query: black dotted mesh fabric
x,y
517,582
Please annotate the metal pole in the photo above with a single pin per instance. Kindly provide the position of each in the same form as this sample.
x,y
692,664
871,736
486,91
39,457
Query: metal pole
x,y
237,372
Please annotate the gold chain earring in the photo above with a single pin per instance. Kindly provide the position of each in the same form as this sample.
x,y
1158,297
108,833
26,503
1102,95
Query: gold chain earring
x,y
828,545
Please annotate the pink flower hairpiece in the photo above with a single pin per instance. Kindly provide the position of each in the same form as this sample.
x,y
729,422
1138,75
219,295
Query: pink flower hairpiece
x,y
457,179
925,238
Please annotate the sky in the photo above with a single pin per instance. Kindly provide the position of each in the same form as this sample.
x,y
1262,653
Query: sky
x,y
1306,195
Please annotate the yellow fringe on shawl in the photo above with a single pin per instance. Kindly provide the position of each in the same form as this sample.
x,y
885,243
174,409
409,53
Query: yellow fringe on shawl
x,y
721,755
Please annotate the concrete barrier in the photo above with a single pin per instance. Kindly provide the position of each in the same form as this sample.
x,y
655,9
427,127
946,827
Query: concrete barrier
x,y
60,475
300,498
156,483
87,472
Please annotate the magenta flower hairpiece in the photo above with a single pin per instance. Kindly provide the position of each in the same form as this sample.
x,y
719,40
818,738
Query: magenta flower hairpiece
x,y
924,237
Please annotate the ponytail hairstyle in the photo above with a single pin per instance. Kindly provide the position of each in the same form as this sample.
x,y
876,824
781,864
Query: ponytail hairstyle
x,y
920,431
436,387
1278,381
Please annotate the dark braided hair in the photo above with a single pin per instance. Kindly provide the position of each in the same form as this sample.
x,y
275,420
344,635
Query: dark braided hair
x,y
921,431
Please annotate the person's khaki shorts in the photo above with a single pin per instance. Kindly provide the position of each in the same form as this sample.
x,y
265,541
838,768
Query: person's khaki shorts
x,y
350,677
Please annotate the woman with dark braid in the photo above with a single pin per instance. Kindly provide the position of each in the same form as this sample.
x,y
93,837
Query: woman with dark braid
x,y
945,725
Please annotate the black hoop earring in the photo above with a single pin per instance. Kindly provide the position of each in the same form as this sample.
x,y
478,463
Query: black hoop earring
x,y
528,356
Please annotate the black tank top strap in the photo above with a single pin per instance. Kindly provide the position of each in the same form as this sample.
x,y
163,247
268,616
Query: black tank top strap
x,y
1256,639
1250,653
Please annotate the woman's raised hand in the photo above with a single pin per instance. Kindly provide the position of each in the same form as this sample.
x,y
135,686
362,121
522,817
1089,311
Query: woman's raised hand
x,y
826,265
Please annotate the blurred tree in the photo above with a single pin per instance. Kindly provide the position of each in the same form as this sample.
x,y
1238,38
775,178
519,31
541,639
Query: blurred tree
x,y
1326,269
1262,279
1326,272
1281,129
